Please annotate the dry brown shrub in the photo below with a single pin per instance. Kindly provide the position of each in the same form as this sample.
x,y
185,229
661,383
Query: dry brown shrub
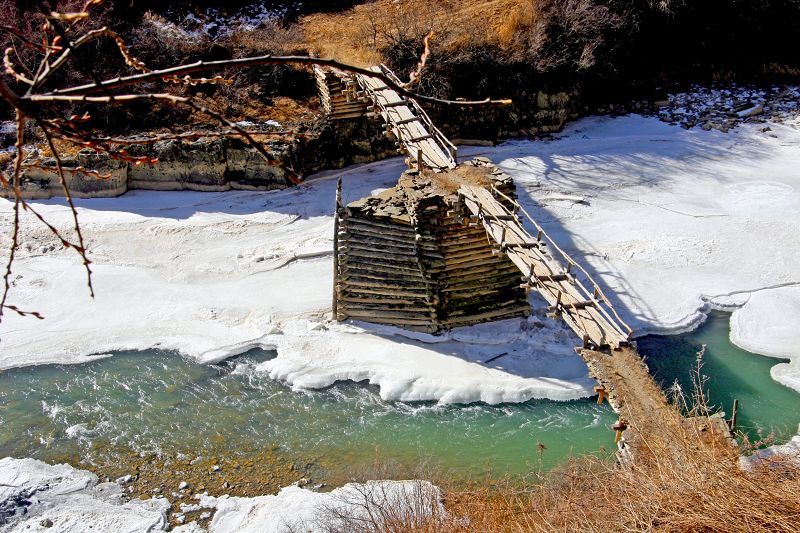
x,y
518,23
705,491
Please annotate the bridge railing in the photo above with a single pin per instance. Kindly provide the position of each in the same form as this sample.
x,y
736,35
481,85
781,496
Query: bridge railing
x,y
440,137
598,296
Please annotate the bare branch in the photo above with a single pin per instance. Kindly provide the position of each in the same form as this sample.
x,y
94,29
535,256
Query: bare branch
x,y
82,248
12,248
174,99
415,76
202,66
18,34
11,70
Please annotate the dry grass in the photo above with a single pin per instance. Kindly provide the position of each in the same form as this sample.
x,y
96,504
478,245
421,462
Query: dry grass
x,y
706,492
358,35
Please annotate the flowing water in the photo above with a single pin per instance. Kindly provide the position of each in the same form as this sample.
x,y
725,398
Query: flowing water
x,y
157,401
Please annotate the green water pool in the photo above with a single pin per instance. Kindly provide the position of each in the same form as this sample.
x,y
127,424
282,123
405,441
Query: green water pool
x,y
766,408
158,401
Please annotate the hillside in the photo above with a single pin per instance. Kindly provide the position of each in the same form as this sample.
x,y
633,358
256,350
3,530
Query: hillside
x,y
594,52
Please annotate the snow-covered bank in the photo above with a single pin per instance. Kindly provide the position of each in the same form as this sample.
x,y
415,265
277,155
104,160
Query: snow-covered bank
x,y
769,323
676,222
36,496
366,505
673,221
213,275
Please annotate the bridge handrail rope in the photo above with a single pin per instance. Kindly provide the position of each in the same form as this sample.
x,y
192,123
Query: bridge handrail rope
x,y
598,296
440,137
444,155
554,294
603,299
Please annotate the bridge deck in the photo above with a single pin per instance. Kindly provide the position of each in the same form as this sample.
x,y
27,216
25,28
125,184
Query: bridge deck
x,y
408,122
587,313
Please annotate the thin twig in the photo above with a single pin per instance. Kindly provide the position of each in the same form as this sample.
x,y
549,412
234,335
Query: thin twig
x,y
68,196
12,249
200,66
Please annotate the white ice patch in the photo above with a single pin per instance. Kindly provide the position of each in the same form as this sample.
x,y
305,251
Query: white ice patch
x,y
508,361
790,451
769,324
296,509
33,493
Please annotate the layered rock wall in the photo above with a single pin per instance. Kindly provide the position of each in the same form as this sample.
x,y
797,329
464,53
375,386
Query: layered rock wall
x,y
211,163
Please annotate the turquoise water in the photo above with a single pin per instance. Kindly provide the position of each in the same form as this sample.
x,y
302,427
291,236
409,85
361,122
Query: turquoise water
x,y
158,401
766,408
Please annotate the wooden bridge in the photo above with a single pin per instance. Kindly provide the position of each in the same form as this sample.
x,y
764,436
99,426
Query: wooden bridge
x,y
587,312
347,96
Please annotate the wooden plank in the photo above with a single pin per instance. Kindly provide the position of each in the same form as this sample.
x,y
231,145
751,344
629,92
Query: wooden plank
x,y
560,291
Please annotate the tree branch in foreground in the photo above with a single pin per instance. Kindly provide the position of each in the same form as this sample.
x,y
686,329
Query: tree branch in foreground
x,y
58,47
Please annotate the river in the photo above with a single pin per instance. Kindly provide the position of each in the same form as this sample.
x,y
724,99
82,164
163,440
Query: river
x,y
160,402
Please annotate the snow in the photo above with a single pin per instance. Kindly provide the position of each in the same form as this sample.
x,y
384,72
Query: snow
x,y
451,368
769,324
214,275
214,23
673,221
33,493
789,450
676,222
298,509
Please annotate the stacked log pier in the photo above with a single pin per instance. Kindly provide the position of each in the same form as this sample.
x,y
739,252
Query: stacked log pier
x,y
408,257
338,94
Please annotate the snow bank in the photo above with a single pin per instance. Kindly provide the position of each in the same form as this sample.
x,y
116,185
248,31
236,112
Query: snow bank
x,y
214,275
676,222
673,222
508,361
790,450
297,509
769,324
33,494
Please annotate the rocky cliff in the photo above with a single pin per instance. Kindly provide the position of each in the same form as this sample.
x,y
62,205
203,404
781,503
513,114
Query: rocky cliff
x,y
211,163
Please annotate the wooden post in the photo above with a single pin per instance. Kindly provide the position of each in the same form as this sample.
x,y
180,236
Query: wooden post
x,y
335,300
735,412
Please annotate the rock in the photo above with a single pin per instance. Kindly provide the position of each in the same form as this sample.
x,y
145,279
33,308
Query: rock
x,y
46,523
182,485
124,479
